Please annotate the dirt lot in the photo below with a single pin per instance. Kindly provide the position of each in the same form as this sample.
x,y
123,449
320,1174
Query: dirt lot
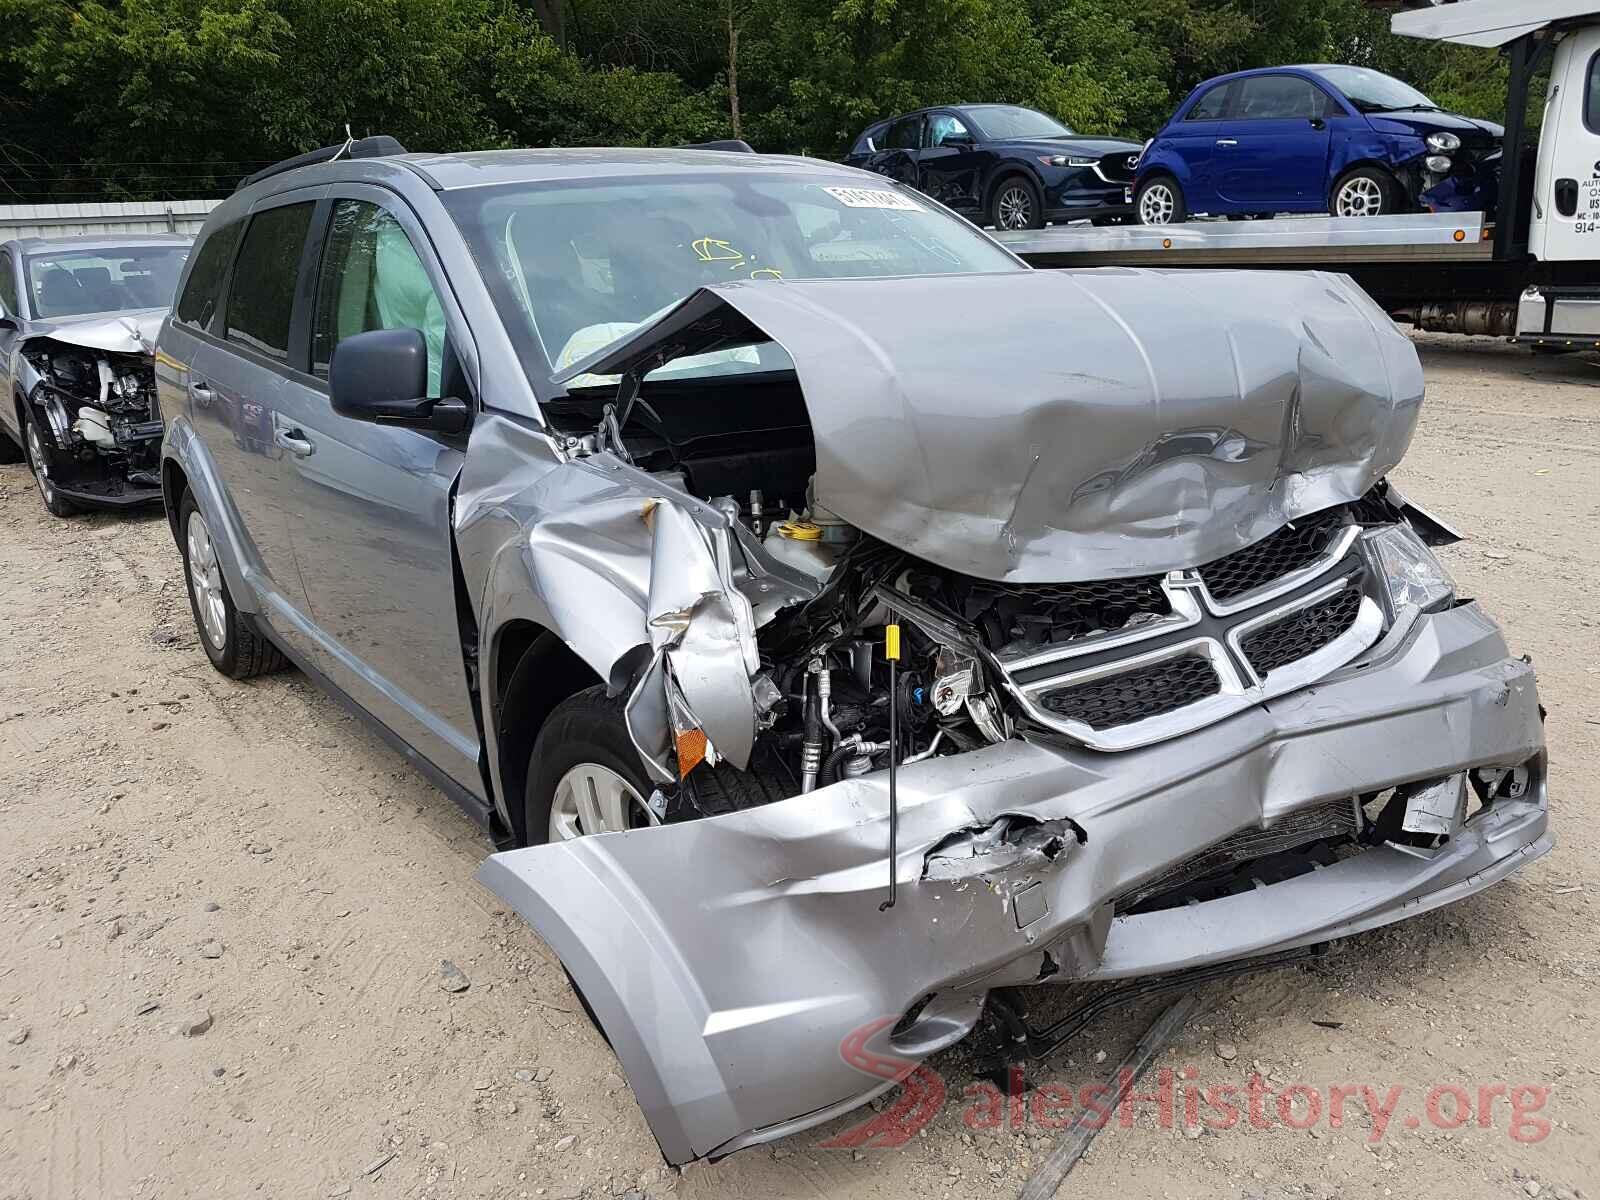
x,y
223,908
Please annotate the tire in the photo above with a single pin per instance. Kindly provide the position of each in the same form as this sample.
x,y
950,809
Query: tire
x,y
1159,201
234,647
39,442
586,738
1015,203
1365,192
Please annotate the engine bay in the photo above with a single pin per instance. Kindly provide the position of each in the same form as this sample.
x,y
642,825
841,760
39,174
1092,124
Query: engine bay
x,y
97,413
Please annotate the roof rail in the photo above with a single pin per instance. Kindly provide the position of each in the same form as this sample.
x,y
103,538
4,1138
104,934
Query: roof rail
x,y
367,147
732,145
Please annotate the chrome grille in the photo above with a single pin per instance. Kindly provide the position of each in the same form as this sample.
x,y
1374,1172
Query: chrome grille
x,y
1135,695
1302,633
1293,548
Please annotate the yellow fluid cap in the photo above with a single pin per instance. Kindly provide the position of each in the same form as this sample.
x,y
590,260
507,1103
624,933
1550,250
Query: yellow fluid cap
x,y
800,531
891,642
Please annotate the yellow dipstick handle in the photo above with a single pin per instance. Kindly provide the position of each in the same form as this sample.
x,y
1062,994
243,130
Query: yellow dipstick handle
x,y
891,642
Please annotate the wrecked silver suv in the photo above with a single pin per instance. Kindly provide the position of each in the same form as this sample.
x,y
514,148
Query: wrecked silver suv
x,y
78,320
848,623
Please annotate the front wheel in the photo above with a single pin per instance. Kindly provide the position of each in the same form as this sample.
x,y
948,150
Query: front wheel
x,y
55,503
1016,204
1365,192
1160,202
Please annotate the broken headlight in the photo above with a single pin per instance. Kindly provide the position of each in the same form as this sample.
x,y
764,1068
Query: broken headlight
x,y
1409,571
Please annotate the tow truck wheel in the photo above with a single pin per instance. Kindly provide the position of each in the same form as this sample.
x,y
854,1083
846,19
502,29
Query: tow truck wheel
x,y
1160,202
1366,192
39,463
234,648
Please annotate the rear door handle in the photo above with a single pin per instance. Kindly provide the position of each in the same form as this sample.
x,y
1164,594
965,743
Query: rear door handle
x,y
295,442
1227,141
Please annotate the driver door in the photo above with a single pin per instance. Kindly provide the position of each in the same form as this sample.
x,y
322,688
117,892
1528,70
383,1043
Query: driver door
x,y
950,166
898,158
1272,153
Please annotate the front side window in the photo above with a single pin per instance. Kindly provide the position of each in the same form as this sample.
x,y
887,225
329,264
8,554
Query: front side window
x,y
74,283
943,127
1212,105
1591,108
1279,98
869,141
574,267
204,286
904,134
372,278
261,297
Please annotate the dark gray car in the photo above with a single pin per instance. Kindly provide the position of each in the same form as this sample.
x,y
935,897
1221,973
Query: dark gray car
x,y
78,320
835,623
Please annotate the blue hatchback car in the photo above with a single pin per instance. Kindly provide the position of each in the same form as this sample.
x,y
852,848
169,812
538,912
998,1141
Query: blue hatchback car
x,y
1345,140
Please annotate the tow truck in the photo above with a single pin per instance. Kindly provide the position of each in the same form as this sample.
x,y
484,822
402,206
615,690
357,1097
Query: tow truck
x,y
1530,272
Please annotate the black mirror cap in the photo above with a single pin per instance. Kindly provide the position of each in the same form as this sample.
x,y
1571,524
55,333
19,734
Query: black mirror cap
x,y
381,375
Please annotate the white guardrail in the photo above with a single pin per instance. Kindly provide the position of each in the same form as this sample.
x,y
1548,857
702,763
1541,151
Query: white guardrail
x,y
133,216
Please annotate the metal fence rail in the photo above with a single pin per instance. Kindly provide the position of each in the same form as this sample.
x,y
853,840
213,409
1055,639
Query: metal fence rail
x,y
135,216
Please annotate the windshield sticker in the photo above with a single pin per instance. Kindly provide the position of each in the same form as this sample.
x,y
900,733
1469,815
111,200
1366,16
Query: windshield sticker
x,y
852,197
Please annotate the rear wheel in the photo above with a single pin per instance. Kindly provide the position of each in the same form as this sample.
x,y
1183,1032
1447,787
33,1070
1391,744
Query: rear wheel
x,y
39,445
1016,204
1365,192
1160,202
234,648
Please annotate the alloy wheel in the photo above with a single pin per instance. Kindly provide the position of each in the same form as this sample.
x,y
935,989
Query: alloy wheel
x,y
1157,204
205,577
1359,197
40,464
590,799
1014,208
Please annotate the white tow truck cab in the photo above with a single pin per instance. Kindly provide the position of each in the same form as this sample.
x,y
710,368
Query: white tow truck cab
x,y
1531,273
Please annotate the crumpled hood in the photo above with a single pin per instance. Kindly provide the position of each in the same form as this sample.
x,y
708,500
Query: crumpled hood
x,y
1057,426
119,333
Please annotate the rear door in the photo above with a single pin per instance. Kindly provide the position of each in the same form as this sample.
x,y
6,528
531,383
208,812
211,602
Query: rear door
x,y
1566,223
1194,141
1272,153
898,156
235,388
371,511
950,166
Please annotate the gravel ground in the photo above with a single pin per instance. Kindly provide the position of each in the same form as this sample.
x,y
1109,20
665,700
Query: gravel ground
x,y
224,906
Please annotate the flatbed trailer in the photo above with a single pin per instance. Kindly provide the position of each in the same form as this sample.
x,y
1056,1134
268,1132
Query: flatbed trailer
x,y
1533,277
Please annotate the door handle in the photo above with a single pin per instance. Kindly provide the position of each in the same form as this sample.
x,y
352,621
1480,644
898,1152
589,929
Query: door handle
x,y
1318,123
1567,197
295,442
1227,141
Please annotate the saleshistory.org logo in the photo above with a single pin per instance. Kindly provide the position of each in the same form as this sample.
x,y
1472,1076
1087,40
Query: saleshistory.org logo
x,y
1174,1096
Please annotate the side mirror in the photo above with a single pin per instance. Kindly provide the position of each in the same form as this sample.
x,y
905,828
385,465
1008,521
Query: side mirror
x,y
382,375
956,139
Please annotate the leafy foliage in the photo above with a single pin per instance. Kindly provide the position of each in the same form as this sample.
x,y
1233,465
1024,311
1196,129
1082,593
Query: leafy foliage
x,y
142,98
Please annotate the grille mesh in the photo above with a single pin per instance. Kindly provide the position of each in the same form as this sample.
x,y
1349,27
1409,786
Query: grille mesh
x,y
1115,166
1134,695
1292,548
1299,634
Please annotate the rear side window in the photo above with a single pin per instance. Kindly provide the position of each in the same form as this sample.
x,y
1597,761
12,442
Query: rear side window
x,y
372,278
1211,106
8,286
204,285
904,134
261,300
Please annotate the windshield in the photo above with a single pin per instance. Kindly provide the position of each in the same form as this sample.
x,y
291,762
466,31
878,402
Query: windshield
x,y
72,283
1373,91
574,268
1003,122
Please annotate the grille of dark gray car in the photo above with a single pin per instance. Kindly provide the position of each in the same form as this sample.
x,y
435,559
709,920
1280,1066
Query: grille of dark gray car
x,y
1134,695
1118,167
1299,634
1333,820
1292,548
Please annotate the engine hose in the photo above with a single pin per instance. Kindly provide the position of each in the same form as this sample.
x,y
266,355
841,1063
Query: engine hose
x,y
830,768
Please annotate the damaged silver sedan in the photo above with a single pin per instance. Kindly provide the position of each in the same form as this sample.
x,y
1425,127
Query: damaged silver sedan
x,y
78,322
839,624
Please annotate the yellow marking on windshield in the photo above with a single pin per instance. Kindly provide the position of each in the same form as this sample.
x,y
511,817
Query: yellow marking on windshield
x,y
709,249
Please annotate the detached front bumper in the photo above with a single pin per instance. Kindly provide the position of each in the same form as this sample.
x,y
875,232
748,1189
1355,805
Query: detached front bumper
x,y
728,960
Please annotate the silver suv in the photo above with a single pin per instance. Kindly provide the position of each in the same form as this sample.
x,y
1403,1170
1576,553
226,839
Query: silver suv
x,y
837,624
